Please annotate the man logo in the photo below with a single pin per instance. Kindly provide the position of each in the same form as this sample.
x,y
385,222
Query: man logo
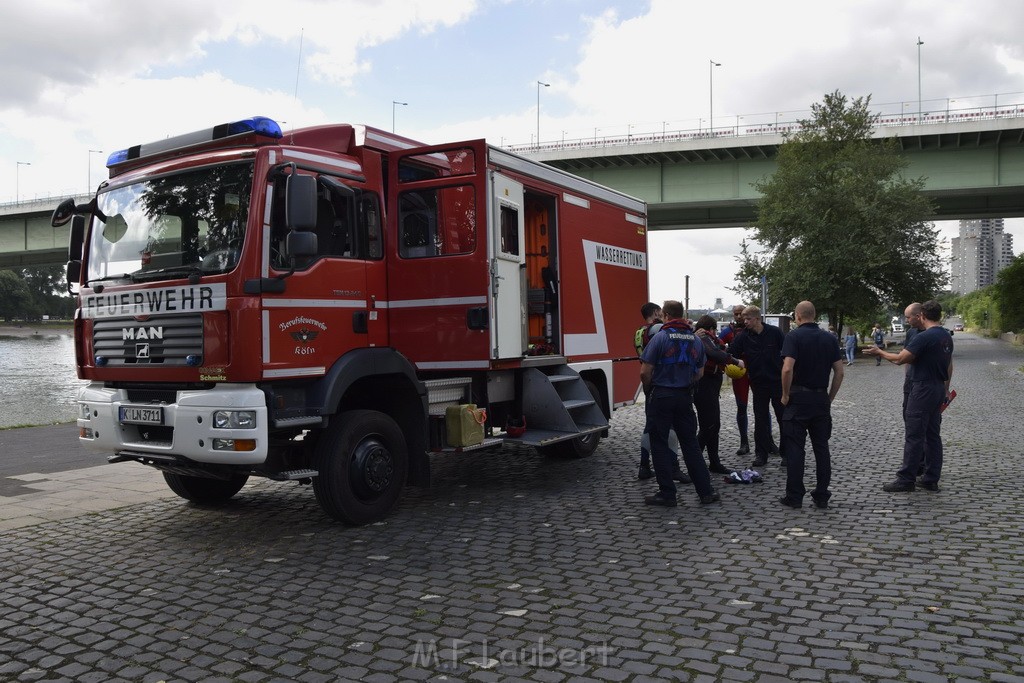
x,y
142,350
141,333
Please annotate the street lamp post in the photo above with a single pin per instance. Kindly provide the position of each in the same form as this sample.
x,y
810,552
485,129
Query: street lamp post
x,y
919,44
88,187
546,85
711,96
17,179
394,105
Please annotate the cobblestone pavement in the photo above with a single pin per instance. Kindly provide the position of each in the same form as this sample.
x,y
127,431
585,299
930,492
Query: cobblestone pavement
x,y
516,567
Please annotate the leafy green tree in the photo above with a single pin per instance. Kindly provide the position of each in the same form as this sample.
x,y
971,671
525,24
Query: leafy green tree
x,y
47,287
1009,295
839,224
15,299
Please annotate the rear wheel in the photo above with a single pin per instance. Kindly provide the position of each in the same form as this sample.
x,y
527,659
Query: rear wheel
x,y
363,464
203,490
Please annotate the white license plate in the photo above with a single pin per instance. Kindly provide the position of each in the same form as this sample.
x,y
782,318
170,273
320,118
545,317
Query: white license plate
x,y
139,415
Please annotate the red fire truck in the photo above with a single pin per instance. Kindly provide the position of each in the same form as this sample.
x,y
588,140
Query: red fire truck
x,y
307,305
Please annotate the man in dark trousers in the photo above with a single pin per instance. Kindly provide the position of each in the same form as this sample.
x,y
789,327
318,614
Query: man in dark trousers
x,y
930,353
760,346
709,390
809,356
670,368
740,385
651,313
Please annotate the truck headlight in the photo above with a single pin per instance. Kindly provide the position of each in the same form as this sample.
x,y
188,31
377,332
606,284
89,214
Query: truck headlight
x,y
234,419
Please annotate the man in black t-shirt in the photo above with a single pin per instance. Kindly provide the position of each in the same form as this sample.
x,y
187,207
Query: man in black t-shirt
x,y
931,354
809,357
760,346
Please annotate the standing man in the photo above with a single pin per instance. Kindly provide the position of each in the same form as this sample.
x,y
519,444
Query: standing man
x,y
809,356
651,313
741,385
931,354
878,337
709,389
671,366
760,346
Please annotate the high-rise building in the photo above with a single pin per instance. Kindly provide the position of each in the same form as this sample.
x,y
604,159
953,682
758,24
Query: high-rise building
x,y
978,254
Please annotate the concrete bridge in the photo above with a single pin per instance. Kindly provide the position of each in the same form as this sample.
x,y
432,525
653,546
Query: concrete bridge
x,y
973,168
973,162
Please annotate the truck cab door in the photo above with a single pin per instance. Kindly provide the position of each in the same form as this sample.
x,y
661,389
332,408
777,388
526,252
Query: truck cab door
x,y
508,268
437,256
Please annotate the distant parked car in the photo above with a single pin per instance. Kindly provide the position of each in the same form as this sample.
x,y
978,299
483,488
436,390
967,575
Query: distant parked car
x,y
959,327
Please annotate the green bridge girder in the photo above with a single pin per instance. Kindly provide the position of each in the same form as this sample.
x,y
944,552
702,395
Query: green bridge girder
x,y
972,169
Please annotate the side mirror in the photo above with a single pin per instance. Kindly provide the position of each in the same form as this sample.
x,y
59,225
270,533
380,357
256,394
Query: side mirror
x,y
300,244
76,238
63,213
300,202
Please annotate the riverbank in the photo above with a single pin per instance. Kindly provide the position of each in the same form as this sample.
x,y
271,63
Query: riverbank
x,y
36,329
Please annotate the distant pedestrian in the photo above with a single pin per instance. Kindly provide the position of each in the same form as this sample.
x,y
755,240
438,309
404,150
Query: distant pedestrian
x,y
671,366
760,346
809,358
930,352
878,338
851,345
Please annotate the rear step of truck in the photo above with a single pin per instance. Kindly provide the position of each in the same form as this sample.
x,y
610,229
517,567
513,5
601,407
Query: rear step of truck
x,y
557,406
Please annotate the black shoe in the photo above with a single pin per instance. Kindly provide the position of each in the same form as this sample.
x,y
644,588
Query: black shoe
x,y
658,499
712,497
899,487
681,477
719,468
790,503
929,485
773,449
820,504
645,472
759,462
744,449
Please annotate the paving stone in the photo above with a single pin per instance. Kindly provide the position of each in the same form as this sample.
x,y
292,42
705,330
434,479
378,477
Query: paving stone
x,y
920,587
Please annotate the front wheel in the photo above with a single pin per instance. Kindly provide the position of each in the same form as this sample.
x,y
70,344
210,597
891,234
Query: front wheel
x,y
363,464
204,490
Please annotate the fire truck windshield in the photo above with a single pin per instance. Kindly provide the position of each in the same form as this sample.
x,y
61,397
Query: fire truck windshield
x,y
170,226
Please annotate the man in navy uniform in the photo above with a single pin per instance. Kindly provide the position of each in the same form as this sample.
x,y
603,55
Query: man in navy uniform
x,y
930,353
809,357
760,346
670,368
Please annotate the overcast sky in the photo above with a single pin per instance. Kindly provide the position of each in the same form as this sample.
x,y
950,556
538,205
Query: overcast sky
x,y
108,74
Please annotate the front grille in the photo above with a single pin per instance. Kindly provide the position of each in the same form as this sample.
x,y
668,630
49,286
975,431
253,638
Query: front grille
x,y
162,341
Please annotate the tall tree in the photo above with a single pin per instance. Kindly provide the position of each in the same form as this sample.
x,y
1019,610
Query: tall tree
x,y
15,300
838,223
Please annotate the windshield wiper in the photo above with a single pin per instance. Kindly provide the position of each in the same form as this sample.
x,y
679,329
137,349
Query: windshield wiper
x,y
193,272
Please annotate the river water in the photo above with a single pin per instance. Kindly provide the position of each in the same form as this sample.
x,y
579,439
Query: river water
x,y
38,384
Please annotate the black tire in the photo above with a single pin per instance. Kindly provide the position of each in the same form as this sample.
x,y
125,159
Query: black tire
x,y
203,490
363,464
580,447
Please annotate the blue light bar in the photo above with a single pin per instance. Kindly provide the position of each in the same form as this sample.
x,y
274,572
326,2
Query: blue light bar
x,y
259,125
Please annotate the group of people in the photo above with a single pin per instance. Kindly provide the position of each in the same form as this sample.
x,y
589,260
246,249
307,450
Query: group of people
x,y
851,340
795,376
